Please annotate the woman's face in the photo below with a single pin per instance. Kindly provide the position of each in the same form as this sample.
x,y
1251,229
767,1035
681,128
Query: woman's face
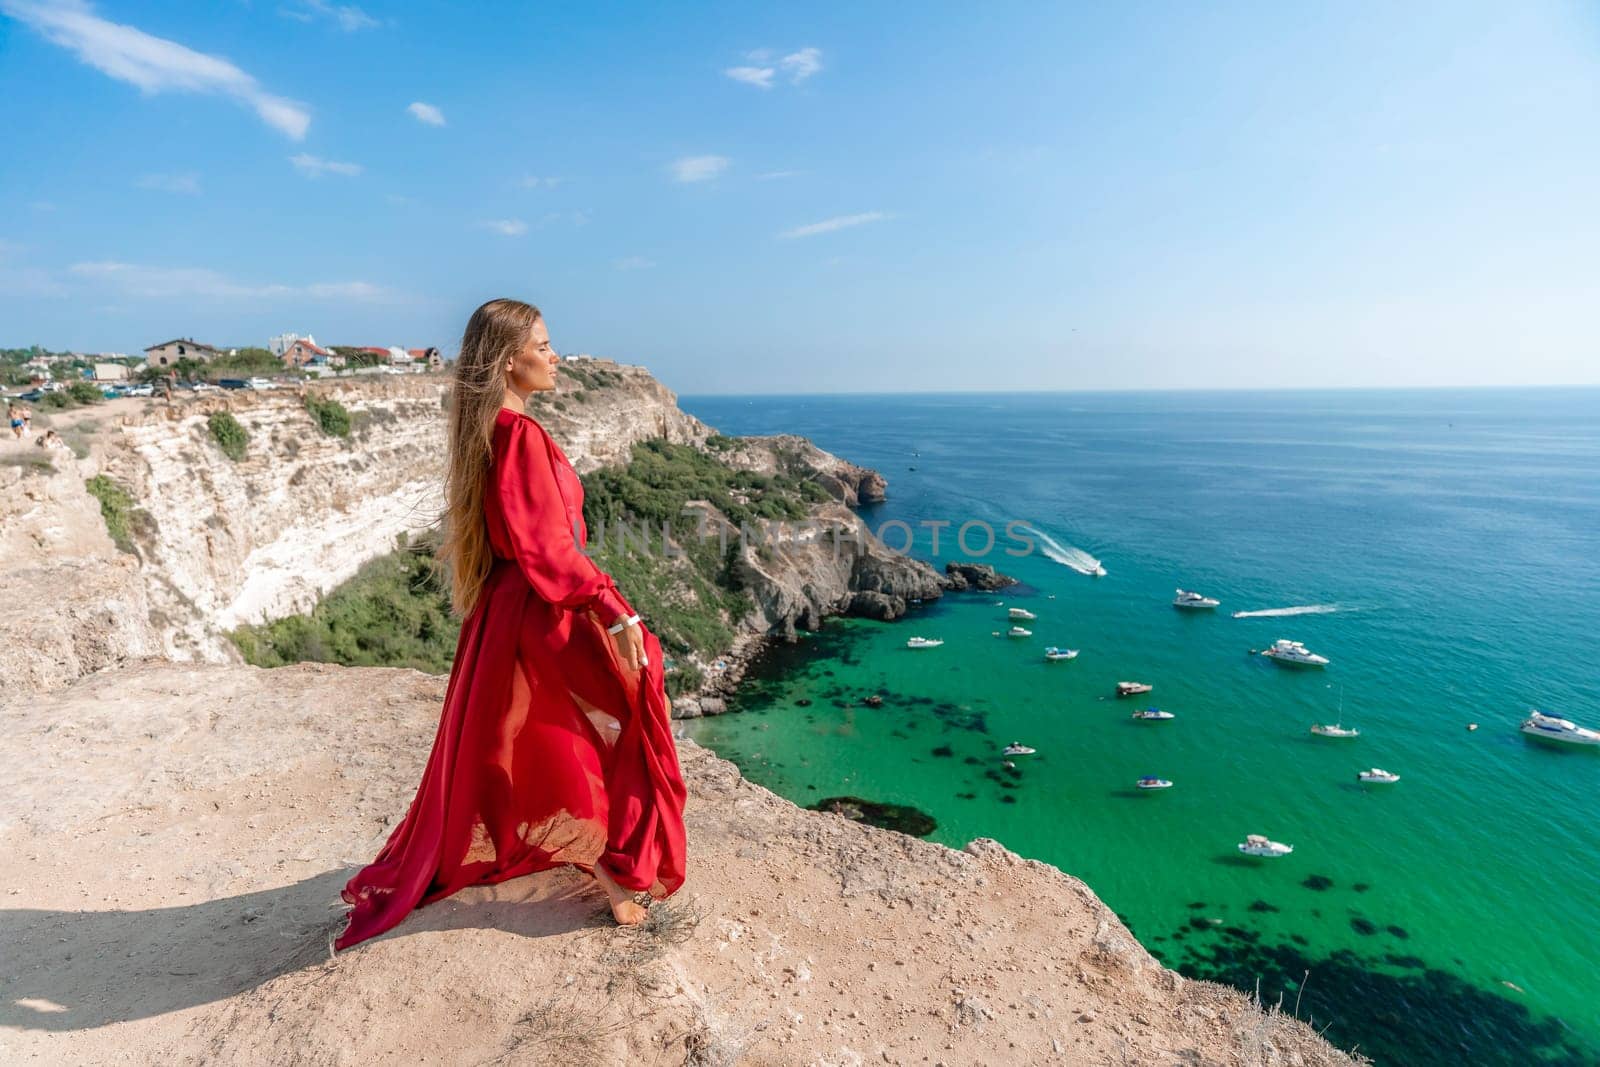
x,y
533,369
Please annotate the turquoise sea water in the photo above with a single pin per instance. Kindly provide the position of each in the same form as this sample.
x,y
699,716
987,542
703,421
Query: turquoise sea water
x,y
1451,542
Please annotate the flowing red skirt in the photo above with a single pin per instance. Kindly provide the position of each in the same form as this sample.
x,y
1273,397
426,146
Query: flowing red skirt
x,y
549,752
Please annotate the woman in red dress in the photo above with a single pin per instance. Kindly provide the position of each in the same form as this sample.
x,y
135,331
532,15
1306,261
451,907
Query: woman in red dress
x,y
555,745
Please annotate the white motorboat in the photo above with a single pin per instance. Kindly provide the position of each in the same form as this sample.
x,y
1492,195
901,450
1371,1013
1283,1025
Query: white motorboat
x,y
1017,748
924,642
1128,689
1334,730
1294,654
1020,613
1552,728
1154,715
1152,782
1256,845
1377,776
1053,653
1189,599
1099,571
1017,631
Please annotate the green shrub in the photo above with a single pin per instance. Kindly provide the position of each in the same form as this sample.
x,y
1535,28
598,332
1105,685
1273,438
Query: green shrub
x,y
85,393
116,508
331,415
395,612
228,434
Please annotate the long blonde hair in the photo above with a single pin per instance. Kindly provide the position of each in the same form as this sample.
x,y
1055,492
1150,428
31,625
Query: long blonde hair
x,y
496,332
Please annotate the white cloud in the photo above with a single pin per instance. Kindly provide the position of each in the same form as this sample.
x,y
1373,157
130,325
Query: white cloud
x,y
143,280
314,167
349,17
760,77
426,114
840,222
534,181
772,175
802,64
698,168
634,263
154,64
506,227
187,184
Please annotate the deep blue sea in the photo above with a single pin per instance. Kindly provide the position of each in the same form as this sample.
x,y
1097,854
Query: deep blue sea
x,y
1441,548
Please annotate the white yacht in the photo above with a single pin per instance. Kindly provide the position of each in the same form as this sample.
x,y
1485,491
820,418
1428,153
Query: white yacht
x,y
924,642
1150,781
1154,715
1334,730
1053,653
1538,724
1020,613
1377,776
1017,748
1293,653
1128,689
1099,571
1189,599
1256,845
1017,631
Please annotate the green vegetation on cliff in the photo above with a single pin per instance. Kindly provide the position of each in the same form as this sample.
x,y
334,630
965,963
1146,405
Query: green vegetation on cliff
x,y
228,434
395,612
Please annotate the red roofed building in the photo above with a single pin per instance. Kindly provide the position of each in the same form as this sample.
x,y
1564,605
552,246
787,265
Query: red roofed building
x,y
304,351
426,356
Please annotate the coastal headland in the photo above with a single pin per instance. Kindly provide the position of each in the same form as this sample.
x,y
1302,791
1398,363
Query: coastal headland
x,y
180,821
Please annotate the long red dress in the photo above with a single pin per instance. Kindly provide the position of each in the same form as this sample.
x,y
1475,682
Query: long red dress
x,y
549,750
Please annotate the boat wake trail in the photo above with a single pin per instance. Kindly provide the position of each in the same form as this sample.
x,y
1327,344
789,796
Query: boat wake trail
x,y
1275,613
1066,555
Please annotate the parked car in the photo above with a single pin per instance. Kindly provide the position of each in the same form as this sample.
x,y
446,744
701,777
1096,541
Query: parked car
x,y
142,389
262,383
32,395
203,387
232,383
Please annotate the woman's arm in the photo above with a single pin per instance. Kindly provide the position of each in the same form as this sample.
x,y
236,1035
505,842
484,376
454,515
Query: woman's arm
x,y
544,545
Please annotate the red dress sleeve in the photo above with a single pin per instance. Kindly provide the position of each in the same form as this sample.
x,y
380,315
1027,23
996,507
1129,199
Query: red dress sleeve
x,y
542,532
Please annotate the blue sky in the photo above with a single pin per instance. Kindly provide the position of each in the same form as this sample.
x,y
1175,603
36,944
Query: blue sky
x,y
823,198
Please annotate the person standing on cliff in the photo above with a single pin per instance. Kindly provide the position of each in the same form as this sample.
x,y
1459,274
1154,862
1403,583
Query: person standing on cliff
x,y
555,745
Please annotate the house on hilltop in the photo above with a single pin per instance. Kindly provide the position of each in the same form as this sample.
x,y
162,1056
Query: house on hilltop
x,y
168,353
304,352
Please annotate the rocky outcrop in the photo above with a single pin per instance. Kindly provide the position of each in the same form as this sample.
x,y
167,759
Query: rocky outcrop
x,y
225,806
72,603
980,576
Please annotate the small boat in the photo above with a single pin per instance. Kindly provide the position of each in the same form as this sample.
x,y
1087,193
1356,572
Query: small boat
x,y
1099,571
1008,765
1128,689
1017,631
1334,730
1552,728
1256,845
1152,782
1377,776
924,642
1294,654
1194,601
1020,613
1153,715
1053,653
1017,748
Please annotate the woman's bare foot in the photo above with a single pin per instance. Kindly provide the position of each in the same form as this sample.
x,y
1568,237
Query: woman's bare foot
x,y
623,908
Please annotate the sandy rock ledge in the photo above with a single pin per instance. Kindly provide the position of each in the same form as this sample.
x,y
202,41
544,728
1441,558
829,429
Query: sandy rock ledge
x,y
177,835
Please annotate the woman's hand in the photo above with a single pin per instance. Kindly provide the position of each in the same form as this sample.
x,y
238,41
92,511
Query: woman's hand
x,y
629,642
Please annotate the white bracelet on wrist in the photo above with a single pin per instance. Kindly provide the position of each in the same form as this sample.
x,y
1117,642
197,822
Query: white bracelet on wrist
x,y
616,627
